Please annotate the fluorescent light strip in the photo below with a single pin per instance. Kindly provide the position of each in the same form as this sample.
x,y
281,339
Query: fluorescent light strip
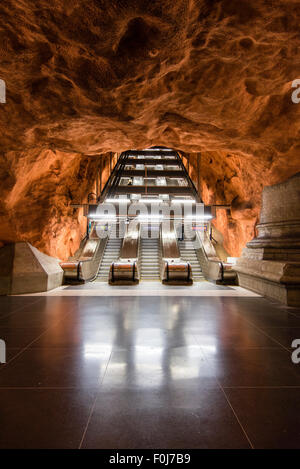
x,y
112,201
199,217
150,217
183,201
103,217
150,201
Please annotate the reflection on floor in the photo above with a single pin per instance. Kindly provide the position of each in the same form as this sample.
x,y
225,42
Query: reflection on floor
x,y
148,288
148,372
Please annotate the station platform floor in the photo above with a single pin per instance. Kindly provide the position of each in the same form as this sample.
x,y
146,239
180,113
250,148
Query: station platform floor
x,y
148,368
148,288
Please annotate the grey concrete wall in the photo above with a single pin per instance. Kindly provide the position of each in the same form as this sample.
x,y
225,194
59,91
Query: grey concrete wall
x,y
24,269
270,265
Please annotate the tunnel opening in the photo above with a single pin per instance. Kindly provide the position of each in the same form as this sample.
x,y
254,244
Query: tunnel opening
x,y
149,223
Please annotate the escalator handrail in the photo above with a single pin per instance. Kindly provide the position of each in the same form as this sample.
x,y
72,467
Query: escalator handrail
x,y
80,263
114,177
209,260
190,182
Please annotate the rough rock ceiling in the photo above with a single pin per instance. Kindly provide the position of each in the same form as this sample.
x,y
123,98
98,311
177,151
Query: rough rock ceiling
x,y
200,76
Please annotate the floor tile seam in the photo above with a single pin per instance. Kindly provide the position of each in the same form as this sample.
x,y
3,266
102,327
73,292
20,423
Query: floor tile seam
x,y
29,345
236,416
264,333
20,309
260,387
93,406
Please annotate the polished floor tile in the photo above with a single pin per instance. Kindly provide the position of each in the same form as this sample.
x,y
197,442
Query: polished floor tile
x,y
56,368
10,304
261,313
215,340
148,372
43,418
146,368
283,335
43,313
20,337
82,334
269,416
270,320
127,422
256,367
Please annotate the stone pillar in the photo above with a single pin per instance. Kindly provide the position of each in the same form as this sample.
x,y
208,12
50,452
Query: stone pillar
x,y
270,264
24,269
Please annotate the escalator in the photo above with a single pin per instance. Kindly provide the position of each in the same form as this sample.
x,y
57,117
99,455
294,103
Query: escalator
x,y
149,250
188,253
213,267
174,270
84,265
149,256
110,255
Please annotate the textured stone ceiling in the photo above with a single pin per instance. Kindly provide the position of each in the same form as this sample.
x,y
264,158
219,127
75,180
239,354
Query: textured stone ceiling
x,y
200,76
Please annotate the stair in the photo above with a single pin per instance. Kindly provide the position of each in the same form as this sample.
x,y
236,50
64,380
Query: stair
x,y
111,254
188,254
149,252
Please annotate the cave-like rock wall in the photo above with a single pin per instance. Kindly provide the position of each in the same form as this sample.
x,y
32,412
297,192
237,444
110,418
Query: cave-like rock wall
x,y
236,181
35,205
87,78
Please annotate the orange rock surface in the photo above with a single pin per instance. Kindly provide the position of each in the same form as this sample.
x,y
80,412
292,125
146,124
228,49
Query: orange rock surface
x,y
87,78
237,181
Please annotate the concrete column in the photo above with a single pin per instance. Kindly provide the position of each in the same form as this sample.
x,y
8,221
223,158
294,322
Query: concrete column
x,y
270,264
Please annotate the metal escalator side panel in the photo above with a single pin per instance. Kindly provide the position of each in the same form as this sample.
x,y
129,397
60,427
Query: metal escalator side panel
x,y
173,268
89,268
169,244
213,268
71,270
89,250
130,246
125,269
86,266
123,272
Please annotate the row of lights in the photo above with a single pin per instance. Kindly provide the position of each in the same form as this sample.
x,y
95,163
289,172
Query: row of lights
x,y
150,201
107,217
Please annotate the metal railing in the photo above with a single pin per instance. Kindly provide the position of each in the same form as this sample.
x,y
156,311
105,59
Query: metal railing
x,y
84,266
173,268
212,267
125,269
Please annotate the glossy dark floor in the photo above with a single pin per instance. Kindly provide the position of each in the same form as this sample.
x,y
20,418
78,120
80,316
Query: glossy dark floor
x,y
148,372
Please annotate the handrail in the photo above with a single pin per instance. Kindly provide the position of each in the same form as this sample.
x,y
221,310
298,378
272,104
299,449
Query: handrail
x,y
173,268
114,177
125,269
212,267
110,181
98,259
84,270
190,182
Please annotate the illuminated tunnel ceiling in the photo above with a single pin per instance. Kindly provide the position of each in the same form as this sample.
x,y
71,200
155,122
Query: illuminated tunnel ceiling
x,y
88,78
